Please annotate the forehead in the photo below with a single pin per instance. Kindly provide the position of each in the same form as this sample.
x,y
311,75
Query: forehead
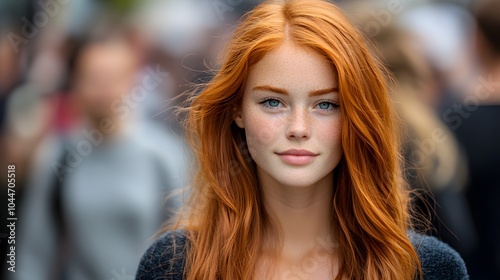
x,y
294,68
106,56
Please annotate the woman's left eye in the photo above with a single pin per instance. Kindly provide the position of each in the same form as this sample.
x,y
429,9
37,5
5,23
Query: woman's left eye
x,y
329,106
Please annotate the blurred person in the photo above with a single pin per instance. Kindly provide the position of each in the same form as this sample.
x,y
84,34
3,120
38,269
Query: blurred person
x,y
434,164
476,120
180,37
23,112
298,163
96,195
28,120
10,71
442,32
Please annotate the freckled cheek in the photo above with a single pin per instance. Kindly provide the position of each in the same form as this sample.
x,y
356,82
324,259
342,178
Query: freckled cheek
x,y
262,131
329,133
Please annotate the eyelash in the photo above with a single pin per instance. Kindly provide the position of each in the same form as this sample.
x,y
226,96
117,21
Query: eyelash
x,y
264,103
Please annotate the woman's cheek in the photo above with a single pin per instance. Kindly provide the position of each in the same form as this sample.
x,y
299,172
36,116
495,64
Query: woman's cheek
x,y
261,132
332,136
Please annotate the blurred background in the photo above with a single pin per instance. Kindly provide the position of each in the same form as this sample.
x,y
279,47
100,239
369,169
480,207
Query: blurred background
x,y
88,87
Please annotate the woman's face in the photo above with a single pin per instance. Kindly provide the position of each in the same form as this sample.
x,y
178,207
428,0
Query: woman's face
x,y
291,117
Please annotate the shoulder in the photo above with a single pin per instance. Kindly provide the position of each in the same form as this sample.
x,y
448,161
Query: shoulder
x,y
438,260
165,258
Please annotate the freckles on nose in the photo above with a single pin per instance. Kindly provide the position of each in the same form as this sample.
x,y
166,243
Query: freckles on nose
x,y
298,122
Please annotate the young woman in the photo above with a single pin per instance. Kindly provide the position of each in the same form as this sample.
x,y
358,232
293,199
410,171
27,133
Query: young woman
x,y
298,170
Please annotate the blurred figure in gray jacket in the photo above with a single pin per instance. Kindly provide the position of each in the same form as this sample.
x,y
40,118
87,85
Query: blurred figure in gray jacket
x,y
97,196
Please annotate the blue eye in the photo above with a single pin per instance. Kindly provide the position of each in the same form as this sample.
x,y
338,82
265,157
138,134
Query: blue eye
x,y
271,103
324,105
329,106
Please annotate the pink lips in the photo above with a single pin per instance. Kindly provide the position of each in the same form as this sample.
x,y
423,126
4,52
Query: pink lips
x,y
297,157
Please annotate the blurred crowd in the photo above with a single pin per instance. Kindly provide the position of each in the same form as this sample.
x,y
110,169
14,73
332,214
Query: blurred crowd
x,y
88,90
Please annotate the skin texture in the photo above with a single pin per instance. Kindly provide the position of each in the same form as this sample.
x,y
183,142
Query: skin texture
x,y
297,196
296,121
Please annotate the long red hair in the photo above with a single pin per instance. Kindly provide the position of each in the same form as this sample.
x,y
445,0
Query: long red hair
x,y
225,215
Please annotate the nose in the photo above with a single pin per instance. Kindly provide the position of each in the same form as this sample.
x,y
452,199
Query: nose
x,y
298,126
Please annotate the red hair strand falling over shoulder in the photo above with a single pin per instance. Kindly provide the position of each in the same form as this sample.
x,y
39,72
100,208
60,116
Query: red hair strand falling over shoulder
x,y
225,216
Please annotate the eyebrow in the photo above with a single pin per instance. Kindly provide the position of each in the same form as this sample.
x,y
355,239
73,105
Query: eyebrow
x,y
285,92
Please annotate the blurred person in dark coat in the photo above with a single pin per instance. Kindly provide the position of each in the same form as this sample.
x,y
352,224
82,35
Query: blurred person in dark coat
x,y
98,194
435,168
477,124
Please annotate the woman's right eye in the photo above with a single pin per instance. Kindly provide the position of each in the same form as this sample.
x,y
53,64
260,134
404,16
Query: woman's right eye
x,y
271,103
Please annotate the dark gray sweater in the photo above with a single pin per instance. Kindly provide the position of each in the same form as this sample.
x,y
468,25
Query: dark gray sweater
x,y
439,261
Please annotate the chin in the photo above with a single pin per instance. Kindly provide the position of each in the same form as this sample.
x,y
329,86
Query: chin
x,y
298,185
299,180
294,177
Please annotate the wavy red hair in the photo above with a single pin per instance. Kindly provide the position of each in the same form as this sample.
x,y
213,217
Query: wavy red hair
x,y
225,214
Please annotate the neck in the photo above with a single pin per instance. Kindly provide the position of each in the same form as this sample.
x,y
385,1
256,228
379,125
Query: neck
x,y
110,127
303,214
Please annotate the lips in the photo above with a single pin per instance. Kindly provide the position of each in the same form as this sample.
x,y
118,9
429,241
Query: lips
x,y
297,157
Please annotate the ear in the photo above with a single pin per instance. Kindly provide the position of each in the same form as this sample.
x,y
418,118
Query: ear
x,y
238,118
